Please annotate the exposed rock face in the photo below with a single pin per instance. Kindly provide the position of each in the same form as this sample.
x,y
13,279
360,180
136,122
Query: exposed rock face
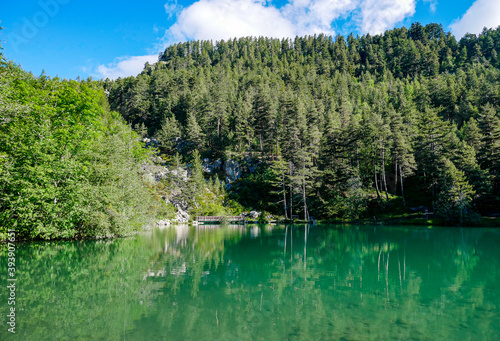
x,y
252,168
182,216
232,170
151,142
251,164
182,206
157,160
160,172
179,203
211,167
180,173
163,223
156,173
254,214
206,166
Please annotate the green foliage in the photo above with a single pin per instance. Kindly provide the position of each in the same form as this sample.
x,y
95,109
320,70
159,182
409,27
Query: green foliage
x,y
254,191
169,134
206,196
69,168
320,111
456,194
194,134
356,199
196,180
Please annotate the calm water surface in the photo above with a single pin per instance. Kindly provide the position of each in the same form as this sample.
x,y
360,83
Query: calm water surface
x,y
261,283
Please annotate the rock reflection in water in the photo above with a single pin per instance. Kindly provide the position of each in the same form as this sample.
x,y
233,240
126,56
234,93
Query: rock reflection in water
x,y
263,282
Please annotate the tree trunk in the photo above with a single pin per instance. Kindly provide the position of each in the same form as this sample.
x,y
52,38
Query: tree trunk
x,y
277,147
401,182
382,169
395,177
284,195
291,195
304,198
261,144
376,182
357,159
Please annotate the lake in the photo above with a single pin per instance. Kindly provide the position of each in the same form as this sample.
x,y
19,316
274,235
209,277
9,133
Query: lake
x,y
261,283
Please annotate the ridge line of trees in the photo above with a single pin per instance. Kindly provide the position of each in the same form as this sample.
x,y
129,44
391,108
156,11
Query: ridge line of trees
x,y
342,125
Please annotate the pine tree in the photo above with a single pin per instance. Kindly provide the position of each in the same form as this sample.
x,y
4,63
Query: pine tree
x,y
243,122
455,194
489,123
169,134
430,145
193,133
401,152
278,180
472,135
196,182
265,110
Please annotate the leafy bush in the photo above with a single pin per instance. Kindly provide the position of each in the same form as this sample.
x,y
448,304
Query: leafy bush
x,y
69,168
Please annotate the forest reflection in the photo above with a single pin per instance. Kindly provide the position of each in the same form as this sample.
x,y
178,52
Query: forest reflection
x,y
310,282
263,282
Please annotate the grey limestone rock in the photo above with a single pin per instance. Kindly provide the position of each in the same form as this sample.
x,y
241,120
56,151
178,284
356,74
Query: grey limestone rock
x,y
251,164
232,170
163,223
254,214
179,173
211,167
182,216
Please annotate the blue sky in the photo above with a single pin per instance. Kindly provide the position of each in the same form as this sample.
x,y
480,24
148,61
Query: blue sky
x,y
70,38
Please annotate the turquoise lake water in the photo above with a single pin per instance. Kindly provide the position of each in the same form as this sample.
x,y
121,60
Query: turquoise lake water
x,y
261,283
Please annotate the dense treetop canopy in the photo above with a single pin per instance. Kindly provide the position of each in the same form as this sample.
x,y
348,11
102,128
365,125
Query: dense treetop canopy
x,y
69,168
336,121
340,128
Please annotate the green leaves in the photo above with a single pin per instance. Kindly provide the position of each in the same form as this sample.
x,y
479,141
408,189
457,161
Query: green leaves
x,y
382,112
68,168
456,193
169,134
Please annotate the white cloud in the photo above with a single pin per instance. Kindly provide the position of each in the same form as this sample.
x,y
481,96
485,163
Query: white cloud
x,y
316,16
482,13
223,19
432,5
172,8
125,66
380,15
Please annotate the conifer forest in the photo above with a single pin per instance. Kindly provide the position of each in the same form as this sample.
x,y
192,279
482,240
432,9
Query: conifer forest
x,y
342,127
335,128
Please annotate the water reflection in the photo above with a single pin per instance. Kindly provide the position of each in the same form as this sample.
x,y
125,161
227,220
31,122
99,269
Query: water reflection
x,y
314,282
263,282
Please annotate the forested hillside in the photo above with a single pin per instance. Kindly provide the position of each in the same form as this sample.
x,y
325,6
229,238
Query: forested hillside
x,y
340,125
69,167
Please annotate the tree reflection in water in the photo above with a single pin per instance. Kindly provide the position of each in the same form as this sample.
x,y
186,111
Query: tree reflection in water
x,y
317,282
263,282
